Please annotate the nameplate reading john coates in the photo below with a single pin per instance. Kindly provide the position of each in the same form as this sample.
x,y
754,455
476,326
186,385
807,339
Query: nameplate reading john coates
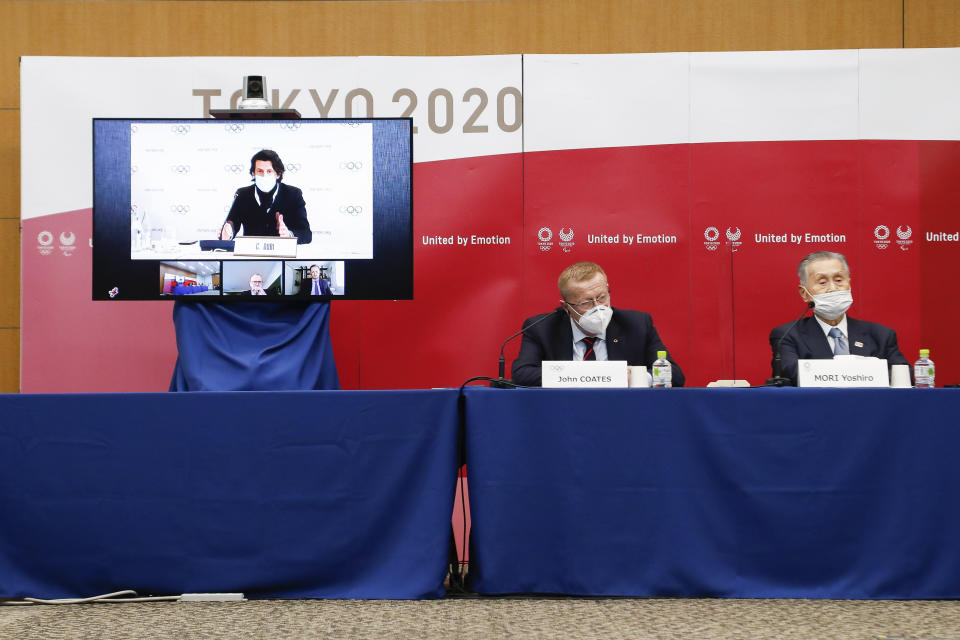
x,y
843,372
605,374
265,247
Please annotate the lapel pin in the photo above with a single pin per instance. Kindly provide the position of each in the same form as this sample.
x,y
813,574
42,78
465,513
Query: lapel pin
x,y
615,340
857,343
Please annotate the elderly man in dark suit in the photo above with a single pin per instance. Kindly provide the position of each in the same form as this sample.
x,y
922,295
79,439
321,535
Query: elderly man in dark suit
x,y
586,327
825,281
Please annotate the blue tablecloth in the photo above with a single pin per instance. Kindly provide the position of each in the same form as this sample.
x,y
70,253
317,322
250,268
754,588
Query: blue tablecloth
x,y
681,492
715,492
275,494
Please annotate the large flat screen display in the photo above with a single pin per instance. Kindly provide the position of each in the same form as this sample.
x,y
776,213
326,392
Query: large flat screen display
x,y
218,210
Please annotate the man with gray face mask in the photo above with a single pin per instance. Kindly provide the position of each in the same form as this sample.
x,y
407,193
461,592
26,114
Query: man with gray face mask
x,y
825,281
586,327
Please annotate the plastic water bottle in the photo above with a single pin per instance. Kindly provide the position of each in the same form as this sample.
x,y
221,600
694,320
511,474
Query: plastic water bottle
x,y
923,370
662,372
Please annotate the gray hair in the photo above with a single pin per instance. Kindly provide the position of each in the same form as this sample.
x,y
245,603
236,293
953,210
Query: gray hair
x,y
820,255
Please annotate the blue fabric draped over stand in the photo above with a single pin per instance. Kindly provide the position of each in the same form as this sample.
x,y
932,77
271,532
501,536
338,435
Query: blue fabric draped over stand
x,y
253,347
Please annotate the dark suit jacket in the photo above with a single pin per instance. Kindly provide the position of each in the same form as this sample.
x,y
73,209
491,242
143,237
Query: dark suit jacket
x,y
630,336
306,287
257,221
807,342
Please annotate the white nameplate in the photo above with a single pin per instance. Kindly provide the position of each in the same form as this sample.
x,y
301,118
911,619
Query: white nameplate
x,y
265,246
842,372
584,374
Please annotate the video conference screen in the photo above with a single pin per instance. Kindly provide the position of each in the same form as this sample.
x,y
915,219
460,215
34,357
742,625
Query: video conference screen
x,y
218,210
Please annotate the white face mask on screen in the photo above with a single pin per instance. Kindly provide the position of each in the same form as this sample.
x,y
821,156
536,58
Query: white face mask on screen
x,y
594,321
265,183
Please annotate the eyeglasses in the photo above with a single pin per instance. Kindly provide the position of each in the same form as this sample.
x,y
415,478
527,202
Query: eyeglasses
x,y
601,299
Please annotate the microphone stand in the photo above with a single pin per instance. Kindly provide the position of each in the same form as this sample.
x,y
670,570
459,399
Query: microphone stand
x,y
778,380
502,382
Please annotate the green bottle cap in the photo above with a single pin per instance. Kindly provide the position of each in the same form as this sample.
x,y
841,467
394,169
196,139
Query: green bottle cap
x,y
661,354
924,353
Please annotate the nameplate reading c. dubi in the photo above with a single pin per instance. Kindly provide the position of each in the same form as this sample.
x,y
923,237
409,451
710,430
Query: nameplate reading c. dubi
x,y
843,372
265,247
584,374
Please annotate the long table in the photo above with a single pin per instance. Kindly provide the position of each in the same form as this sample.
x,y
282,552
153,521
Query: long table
x,y
680,492
715,492
312,494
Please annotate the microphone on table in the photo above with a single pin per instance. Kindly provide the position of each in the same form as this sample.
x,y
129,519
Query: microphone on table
x,y
778,380
501,382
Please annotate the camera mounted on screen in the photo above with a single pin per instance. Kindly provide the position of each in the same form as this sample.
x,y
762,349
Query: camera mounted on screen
x,y
254,93
254,105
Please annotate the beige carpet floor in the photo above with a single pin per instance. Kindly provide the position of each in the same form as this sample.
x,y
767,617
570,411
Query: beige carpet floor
x,y
461,618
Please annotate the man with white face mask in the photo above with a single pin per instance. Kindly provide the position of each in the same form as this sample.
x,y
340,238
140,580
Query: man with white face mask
x,y
586,327
268,207
825,281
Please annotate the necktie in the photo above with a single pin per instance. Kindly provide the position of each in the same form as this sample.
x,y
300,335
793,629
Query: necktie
x,y
316,287
839,344
588,342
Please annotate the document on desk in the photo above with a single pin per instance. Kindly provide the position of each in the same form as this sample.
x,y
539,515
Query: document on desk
x,y
585,374
843,372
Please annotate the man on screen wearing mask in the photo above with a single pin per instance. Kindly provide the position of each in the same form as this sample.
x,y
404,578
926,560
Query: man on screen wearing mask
x,y
586,327
267,207
825,280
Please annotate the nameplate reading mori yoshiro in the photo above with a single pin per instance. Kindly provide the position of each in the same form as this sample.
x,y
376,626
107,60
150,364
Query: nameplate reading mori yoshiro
x,y
842,372
584,374
265,247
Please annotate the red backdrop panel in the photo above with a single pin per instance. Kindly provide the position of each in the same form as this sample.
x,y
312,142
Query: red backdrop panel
x,y
592,205
467,296
938,307
886,271
775,194
72,343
